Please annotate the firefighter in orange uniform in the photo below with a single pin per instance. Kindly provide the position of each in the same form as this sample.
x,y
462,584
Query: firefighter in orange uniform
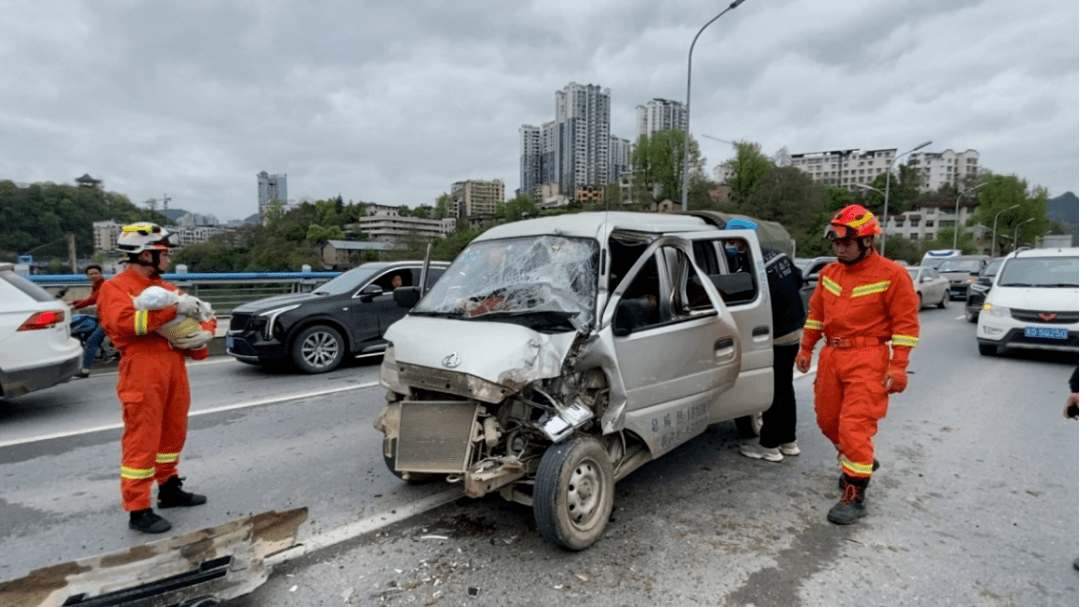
x,y
861,304
153,384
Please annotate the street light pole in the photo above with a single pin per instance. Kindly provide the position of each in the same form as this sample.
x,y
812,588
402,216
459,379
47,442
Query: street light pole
x,y
686,148
1017,228
888,174
956,232
993,245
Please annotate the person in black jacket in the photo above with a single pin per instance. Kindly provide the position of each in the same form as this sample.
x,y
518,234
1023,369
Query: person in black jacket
x,y
788,314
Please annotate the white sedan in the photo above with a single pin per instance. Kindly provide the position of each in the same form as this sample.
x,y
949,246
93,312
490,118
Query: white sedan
x,y
36,347
933,288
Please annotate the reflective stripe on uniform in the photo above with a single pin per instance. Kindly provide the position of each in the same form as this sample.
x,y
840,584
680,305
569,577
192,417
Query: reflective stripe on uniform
x,y
905,340
142,319
136,473
876,287
857,469
813,325
830,285
167,458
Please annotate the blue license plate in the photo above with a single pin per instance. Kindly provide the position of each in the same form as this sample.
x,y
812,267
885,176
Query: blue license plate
x,y
1046,333
228,343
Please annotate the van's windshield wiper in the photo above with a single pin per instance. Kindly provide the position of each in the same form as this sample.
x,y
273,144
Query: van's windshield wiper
x,y
1015,284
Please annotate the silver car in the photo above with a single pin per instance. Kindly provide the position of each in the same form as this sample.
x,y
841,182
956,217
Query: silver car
x,y
931,287
557,355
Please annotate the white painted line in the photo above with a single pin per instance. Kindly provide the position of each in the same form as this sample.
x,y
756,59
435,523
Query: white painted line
x,y
372,523
243,405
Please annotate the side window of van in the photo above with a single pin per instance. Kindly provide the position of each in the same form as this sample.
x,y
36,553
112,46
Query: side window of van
x,y
729,269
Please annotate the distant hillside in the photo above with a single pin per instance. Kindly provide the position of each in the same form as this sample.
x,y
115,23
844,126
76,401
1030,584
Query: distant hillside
x,y
1065,208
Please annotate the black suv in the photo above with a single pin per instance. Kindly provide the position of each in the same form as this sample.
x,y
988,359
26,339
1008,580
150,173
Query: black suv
x,y
345,316
976,292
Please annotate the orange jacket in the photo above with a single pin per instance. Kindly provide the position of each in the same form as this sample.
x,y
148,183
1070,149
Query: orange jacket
x,y
92,299
128,328
872,298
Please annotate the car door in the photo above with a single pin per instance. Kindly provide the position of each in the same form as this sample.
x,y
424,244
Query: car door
x,y
676,346
372,309
746,295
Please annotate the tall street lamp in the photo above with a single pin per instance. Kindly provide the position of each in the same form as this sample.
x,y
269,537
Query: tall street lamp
x,y
993,246
956,232
1017,228
689,57
888,174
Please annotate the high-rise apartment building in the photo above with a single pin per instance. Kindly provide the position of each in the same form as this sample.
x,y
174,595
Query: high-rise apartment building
x,y
572,151
476,197
850,168
272,187
618,158
660,114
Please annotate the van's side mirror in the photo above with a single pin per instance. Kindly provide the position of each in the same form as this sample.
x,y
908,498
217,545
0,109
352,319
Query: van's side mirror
x,y
406,297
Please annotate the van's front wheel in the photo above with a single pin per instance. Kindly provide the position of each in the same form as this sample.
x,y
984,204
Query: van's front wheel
x,y
749,426
574,493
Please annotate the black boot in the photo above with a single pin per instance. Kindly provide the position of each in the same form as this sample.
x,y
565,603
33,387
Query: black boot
x,y
850,508
148,522
170,495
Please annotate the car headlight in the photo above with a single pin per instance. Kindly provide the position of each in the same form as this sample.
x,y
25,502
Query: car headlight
x,y
998,311
271,316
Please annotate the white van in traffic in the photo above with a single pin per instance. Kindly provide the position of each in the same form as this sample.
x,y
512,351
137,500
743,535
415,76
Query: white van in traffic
x,y
933,259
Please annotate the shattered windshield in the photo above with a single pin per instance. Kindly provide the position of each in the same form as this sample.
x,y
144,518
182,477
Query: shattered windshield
x,y
540,281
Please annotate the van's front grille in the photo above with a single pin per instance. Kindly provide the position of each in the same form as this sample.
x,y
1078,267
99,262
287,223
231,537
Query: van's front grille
x,y
434,436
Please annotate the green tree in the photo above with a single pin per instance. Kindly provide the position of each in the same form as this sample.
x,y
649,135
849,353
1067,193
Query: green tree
x,y
446,249
996,199
517,208
903,192
443,206
657,165
902,248
747,169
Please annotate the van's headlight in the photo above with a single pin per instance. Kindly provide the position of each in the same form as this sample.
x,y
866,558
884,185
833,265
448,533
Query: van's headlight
x,y
998,311
388,371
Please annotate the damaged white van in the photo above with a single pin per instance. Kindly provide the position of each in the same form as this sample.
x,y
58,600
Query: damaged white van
x,y
557,355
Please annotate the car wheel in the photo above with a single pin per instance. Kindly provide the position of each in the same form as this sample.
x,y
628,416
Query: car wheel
x,y
574,493
944,300
749,426
988,350
318,349
971,316
413,478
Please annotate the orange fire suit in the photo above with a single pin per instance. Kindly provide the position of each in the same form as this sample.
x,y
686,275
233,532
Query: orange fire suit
x,y
859,309
152,387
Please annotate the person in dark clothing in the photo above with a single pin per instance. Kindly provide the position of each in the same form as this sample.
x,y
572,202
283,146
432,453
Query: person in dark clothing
x,y
788,314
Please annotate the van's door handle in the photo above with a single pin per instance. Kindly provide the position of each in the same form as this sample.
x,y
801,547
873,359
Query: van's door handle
x,y
724,348
760,331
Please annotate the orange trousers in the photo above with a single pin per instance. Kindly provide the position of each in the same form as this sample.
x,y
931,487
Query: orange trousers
x,y
155,396
849,399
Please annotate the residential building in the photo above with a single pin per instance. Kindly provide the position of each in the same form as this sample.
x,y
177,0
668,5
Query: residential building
x,y
660,114
476,197
924,222
619,151
937,169
341,254
272,187
105,235
394,229
850,168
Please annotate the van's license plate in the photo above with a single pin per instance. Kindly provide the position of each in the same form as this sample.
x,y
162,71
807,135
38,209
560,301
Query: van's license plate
x,y
1046,333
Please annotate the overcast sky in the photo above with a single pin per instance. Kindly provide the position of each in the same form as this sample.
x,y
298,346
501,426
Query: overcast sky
x,y
392,102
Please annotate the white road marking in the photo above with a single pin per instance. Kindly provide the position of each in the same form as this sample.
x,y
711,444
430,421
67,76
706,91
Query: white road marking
x,y
372,523
251,403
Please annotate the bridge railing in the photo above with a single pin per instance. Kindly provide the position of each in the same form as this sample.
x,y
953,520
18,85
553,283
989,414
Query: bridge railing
x,y
224,290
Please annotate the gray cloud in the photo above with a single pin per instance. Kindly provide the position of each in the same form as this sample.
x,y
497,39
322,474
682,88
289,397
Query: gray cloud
x,y
394,102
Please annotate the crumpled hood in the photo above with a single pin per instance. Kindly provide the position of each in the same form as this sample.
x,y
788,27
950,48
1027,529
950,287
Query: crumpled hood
x,y
506,354
1040,299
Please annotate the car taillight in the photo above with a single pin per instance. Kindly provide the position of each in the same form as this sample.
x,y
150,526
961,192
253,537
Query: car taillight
x,y
43,320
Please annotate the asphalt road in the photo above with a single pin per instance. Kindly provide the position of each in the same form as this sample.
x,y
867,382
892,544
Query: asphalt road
x,y
976,503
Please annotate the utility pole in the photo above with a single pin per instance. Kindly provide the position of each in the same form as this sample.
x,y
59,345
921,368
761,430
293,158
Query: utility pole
x,y
71,252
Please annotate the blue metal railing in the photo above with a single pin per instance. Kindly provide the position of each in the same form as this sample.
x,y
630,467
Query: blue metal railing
x,y
223,290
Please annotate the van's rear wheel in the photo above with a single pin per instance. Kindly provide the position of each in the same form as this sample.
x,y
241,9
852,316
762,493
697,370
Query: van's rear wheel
x,y
574,493
749,426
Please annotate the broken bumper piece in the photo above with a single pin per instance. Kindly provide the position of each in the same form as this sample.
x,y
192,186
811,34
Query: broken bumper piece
x,y
200,568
